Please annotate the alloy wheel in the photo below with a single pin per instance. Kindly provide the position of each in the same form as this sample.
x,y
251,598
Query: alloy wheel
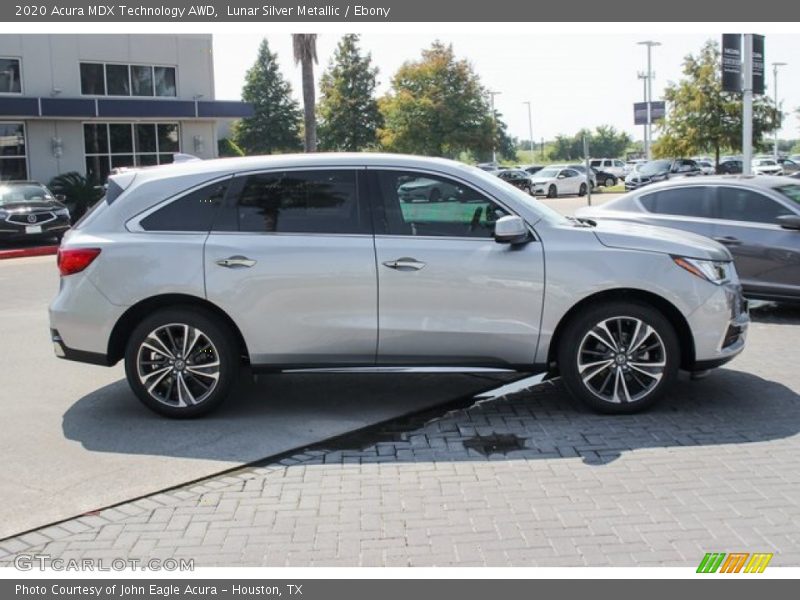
x,y
621,359
178,365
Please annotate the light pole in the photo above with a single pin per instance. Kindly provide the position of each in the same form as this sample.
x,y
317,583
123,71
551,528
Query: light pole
x,y
747,105
494,127
775,66
643,77
530,126
648,140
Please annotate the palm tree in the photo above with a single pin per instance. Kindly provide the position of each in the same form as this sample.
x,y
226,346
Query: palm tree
x,y
305,54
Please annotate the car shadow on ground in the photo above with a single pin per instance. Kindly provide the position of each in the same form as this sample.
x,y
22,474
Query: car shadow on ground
x,y
771,312
446,418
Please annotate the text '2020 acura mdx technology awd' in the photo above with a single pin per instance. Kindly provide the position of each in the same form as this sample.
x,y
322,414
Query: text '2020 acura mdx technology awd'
x,y
188,271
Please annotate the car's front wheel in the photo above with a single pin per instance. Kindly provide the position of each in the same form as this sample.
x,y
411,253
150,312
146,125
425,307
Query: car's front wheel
x,y
552,192
618,357
181,362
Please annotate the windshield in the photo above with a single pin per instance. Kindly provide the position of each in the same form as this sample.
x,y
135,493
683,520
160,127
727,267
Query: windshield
x,y
764,162
654,166
791,191
549,172
17,194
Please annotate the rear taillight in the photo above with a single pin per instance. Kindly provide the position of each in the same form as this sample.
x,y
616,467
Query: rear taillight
x,y
75,260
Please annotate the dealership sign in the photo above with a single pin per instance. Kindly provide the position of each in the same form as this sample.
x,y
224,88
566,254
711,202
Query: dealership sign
x,y
732,59
658,110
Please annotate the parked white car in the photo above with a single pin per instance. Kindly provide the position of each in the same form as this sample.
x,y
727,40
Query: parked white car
x,y
706,167
558,181
766,166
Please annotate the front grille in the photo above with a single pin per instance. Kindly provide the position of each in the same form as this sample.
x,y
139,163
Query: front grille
x,y
30,218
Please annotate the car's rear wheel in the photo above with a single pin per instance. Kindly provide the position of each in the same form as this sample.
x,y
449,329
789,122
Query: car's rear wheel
x,y
610,182
618,357
552,192
181,362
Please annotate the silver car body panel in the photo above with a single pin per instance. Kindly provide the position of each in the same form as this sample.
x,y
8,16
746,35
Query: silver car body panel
x,y
328,300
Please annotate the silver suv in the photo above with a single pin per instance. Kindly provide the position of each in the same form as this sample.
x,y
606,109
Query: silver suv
x,y
188,271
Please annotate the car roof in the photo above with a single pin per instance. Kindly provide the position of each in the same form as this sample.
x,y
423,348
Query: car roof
x,y
752,181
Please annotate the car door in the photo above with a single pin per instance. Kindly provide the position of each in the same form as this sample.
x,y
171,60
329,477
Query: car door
x,y
767,256
448,293
292,261
570,183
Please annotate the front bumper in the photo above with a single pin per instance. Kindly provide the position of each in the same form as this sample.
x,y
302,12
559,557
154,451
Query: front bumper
x,y
10,230
720,327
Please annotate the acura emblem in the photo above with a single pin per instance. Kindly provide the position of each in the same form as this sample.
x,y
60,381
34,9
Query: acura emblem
x,y
31,218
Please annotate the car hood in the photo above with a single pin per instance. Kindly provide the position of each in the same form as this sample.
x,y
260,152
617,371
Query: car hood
x,y
649,238
32,205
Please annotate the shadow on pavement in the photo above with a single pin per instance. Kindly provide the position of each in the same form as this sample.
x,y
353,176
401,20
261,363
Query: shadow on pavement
x,y
772,312
446,418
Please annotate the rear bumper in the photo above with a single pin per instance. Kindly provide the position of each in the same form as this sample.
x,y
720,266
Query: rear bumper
x,y
62,351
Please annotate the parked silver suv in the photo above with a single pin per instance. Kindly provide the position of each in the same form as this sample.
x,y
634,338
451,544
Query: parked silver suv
x,y
314,261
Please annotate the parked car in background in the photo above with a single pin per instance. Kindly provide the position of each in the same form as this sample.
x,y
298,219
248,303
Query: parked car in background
x,y
279,262
609,165
789,166
518,178
581,168
632,165
488,166
661,170
28,210
559,181
604,179
706,167
532,169
729,166
795,158
757,218
766,166
422,189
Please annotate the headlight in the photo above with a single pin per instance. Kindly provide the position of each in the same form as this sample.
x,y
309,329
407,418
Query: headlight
x,y
715,271
62,212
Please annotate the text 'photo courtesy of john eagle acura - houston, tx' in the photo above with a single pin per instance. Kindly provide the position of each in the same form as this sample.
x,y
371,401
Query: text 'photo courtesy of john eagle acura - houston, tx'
x,y
187,272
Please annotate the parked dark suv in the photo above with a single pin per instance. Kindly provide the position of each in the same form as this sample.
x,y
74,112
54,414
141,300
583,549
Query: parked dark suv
x,y
28,210
661,170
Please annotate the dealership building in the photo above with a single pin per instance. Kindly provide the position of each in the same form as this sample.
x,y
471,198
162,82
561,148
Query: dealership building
x,y
92,103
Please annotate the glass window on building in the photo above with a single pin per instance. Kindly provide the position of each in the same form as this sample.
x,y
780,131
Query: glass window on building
x,y
10,82
13,160
114,145
98,79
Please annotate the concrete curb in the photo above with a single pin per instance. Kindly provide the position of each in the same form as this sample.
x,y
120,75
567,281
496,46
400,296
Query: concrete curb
x,y
23,252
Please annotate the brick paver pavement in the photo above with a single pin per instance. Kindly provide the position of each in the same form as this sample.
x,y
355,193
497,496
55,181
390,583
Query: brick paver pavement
x,y
715,467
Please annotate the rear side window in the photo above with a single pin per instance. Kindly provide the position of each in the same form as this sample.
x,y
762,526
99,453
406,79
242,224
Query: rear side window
x,y
318,201
683,201
193,212
739,204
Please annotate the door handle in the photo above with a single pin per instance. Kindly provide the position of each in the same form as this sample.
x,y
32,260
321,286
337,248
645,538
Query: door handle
x,y
728,240
404,264
233,262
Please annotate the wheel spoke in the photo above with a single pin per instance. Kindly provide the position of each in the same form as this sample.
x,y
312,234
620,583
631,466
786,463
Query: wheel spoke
x,y
156,345
607,339
184,393
637,341
163,373
594,369
197,370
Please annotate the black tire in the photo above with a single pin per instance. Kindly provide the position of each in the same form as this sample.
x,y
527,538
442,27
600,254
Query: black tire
x,y
610,182
582,190
635,391
435,195
222,345
552,192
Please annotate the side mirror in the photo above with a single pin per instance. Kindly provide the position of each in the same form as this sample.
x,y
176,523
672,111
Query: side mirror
x,y
788,222
510,230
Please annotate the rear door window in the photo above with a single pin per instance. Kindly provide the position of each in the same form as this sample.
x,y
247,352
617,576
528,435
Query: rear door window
x,y
682,201
303,201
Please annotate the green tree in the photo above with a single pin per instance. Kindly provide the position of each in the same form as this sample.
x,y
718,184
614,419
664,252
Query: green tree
x,y
437,107
227,147
562,148
305,54
348,109
703,118
608,142
275,124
